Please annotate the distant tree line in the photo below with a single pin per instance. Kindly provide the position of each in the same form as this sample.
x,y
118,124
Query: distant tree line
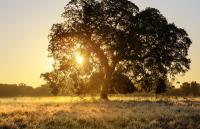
x,y
120,85
20,90
186,89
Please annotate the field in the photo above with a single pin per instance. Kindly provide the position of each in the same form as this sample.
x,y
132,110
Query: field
x,y
121,112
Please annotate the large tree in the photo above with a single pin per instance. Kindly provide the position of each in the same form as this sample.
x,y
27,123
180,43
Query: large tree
x,y
113,35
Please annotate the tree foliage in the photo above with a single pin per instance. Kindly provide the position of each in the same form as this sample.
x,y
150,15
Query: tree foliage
x,y
115,36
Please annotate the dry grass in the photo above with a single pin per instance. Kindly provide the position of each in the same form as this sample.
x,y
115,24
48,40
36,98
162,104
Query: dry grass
x,y
122,112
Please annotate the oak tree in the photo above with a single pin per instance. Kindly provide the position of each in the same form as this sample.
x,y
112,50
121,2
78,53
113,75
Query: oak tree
x,y
114,35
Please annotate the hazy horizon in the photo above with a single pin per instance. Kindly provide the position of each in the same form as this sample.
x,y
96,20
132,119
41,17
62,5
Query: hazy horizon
x,y
25,25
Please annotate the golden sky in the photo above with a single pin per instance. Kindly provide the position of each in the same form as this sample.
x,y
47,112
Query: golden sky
x,y
25,24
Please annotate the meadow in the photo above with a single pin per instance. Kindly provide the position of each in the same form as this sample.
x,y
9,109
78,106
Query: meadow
x,y
121,112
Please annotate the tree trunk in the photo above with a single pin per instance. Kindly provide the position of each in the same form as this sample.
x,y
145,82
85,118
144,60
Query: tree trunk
x,y
105,87
104,92
156,96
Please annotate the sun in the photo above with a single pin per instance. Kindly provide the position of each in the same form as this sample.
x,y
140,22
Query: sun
x,y
79,59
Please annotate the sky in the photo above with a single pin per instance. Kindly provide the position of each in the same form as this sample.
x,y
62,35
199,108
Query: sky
x,y
25,25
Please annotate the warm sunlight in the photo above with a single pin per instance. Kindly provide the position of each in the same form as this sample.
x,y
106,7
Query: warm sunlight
x,y
114,64
79,59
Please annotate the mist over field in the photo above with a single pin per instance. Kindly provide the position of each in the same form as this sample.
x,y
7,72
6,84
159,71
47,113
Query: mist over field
x,y
122,112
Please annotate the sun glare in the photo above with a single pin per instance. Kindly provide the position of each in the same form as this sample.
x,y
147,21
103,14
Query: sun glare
x,y
79,59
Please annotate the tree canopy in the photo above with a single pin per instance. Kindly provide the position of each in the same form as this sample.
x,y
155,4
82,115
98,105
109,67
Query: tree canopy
x,y
115,36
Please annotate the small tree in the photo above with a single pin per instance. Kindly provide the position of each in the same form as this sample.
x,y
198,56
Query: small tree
x,y
185,88
121,84
59,84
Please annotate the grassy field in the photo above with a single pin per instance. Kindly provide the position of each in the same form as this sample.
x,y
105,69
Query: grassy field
x,y
122,112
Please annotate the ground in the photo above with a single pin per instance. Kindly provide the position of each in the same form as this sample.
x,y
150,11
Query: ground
x,y
121,112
